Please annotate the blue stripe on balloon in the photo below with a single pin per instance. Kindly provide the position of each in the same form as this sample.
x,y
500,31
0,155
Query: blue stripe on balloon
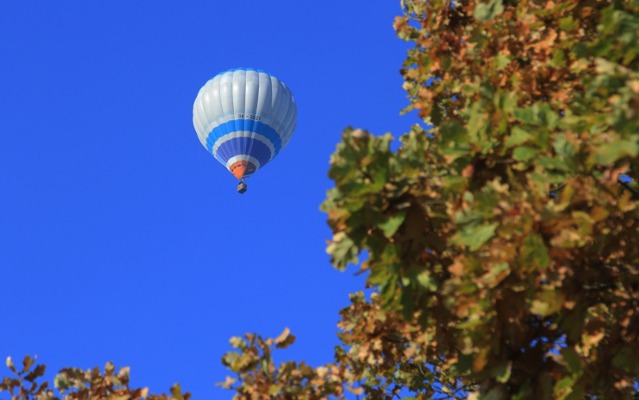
x,y
258,150
239,125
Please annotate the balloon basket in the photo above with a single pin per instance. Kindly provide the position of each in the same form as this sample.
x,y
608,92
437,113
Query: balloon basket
x,y
241,187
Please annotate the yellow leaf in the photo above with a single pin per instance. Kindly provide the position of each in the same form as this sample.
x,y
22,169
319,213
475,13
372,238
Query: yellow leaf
x,y
480,360
356,391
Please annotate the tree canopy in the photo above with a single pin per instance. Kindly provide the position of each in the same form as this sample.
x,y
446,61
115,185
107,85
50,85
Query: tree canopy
x,y
502,237
501,240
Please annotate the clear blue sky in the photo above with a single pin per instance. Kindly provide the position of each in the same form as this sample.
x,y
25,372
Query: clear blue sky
x,y
121,238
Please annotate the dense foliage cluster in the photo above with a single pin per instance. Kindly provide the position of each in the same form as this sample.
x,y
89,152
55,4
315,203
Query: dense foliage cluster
x,y
76,384
505,232
501,239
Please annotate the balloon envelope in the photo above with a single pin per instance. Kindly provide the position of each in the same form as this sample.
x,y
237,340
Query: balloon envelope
x,y
244,117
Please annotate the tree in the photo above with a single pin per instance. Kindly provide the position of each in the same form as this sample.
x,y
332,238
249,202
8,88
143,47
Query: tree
x,y
501,240
503,249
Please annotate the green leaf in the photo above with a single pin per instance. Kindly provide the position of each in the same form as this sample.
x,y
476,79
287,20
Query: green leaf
x,y
496,393
524,153
568,24
502,61
487,11
388,289
534,253
275,389
627,359
382,268
573,360
549,302
563,147
613,151
475,236
546,115
342,250
517,136
436,114
229,359
176,391
526,115
408,302
564,387
392,224
427,281
502,372
497,273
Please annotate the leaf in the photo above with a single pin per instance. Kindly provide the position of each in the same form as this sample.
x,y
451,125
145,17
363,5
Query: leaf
x,y
176,391
436,114
392,224
480,360
502,371
564,148
9,363
627,359
547,303
534,254
572,359
109,368
427,281
61,382
568,24
27,362
608,153
285,339
487,11
356,391
282,337
343,250
238,342
274,389
524,153
229,359
497,273
564,387
502,61
496,393
517,136
538,114
37,372
475,236
123,374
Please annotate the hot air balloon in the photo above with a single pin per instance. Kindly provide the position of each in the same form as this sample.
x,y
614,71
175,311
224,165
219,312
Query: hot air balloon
x,y
244,117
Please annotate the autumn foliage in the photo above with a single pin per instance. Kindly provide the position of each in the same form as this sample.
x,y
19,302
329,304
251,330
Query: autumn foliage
x,y
501,241
77,384
502,238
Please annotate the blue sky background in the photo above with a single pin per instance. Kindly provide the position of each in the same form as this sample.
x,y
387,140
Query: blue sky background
x,y
121,238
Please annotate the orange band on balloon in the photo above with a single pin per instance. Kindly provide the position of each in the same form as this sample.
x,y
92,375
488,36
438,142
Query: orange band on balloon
x,y
242,168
